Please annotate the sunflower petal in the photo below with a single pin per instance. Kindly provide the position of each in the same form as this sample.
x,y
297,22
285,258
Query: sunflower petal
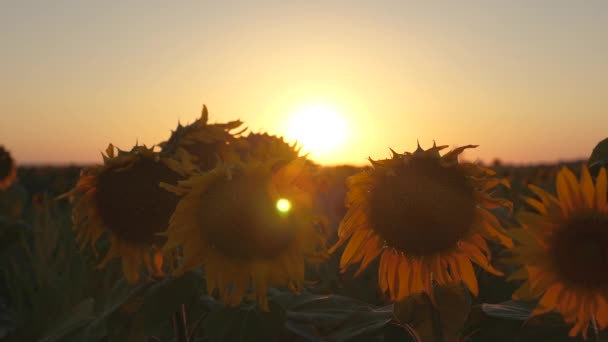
x,y
586,187
536,205
382,271
467,273
476,256
552,204
548,301
373,249
568,190
405,274
358,239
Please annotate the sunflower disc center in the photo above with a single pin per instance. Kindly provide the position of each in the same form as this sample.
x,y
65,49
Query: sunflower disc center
x,y
244,222
424,208
580,251
131,203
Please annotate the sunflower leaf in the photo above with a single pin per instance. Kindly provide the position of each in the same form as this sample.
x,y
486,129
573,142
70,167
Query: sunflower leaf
x,y
515,310
164,298
445,318
245,323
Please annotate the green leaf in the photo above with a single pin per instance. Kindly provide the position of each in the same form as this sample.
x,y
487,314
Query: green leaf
x,y
331,317
163,299
245,323
80,315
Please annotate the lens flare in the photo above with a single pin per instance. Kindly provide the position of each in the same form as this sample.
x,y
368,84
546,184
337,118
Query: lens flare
x,y
283,205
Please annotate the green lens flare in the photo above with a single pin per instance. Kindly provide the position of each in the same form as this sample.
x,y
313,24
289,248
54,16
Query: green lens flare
x,y
283,205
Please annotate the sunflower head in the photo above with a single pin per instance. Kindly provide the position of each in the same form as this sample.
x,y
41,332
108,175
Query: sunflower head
x,y
202,143
249,225
8,170
263,147
564,249
599,157
123,198
426,215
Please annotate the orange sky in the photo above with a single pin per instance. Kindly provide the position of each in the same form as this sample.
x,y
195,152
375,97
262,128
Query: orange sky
x,y
526,81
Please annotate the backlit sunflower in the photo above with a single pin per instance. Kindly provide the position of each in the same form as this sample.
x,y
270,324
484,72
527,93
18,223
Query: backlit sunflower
x,y
263,147
203,144
8,171
599,157
564,250
123,198
249,225
426,216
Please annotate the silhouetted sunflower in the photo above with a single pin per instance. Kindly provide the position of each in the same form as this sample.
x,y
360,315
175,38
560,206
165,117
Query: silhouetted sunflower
x,y
8,170
203,144
564,250
426,215
263,147
123,198
599,157
247,225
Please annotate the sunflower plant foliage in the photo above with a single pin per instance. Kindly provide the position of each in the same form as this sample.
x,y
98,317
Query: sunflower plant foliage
x,y
563,247
249,225
426,216
122,199
211,238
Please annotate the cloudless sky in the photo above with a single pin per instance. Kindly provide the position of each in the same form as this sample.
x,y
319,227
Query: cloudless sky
x,y
526,80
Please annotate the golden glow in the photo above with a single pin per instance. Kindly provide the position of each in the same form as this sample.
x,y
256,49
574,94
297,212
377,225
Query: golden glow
x,y
319,127
283,205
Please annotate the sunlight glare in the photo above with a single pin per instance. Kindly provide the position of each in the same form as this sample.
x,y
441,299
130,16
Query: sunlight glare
x,y
283,205
320,128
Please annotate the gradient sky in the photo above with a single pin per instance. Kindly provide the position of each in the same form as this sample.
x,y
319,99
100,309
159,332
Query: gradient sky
x,y
526,80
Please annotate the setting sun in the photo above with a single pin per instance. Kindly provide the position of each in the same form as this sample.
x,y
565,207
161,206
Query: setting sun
x,y
320,128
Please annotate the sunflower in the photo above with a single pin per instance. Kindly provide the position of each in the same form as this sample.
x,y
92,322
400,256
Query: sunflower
x,y
263,147
203,144
599,157
123,198
250,224
8,171
426,216
564,249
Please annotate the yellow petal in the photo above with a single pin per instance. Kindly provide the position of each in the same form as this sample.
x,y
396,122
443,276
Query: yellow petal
x,y
602,311
536,205
552,205
353,246
548,301
393,270
586,187
373,249
405,273
568,190
382,270
467,273
476,256
415,282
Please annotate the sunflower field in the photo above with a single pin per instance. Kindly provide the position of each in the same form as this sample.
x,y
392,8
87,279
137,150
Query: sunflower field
x,y
220,234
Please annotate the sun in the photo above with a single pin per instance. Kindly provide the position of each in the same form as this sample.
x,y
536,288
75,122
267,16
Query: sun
x,y
319,127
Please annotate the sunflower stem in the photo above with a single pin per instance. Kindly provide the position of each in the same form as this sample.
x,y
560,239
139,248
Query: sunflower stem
x,y
180,325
